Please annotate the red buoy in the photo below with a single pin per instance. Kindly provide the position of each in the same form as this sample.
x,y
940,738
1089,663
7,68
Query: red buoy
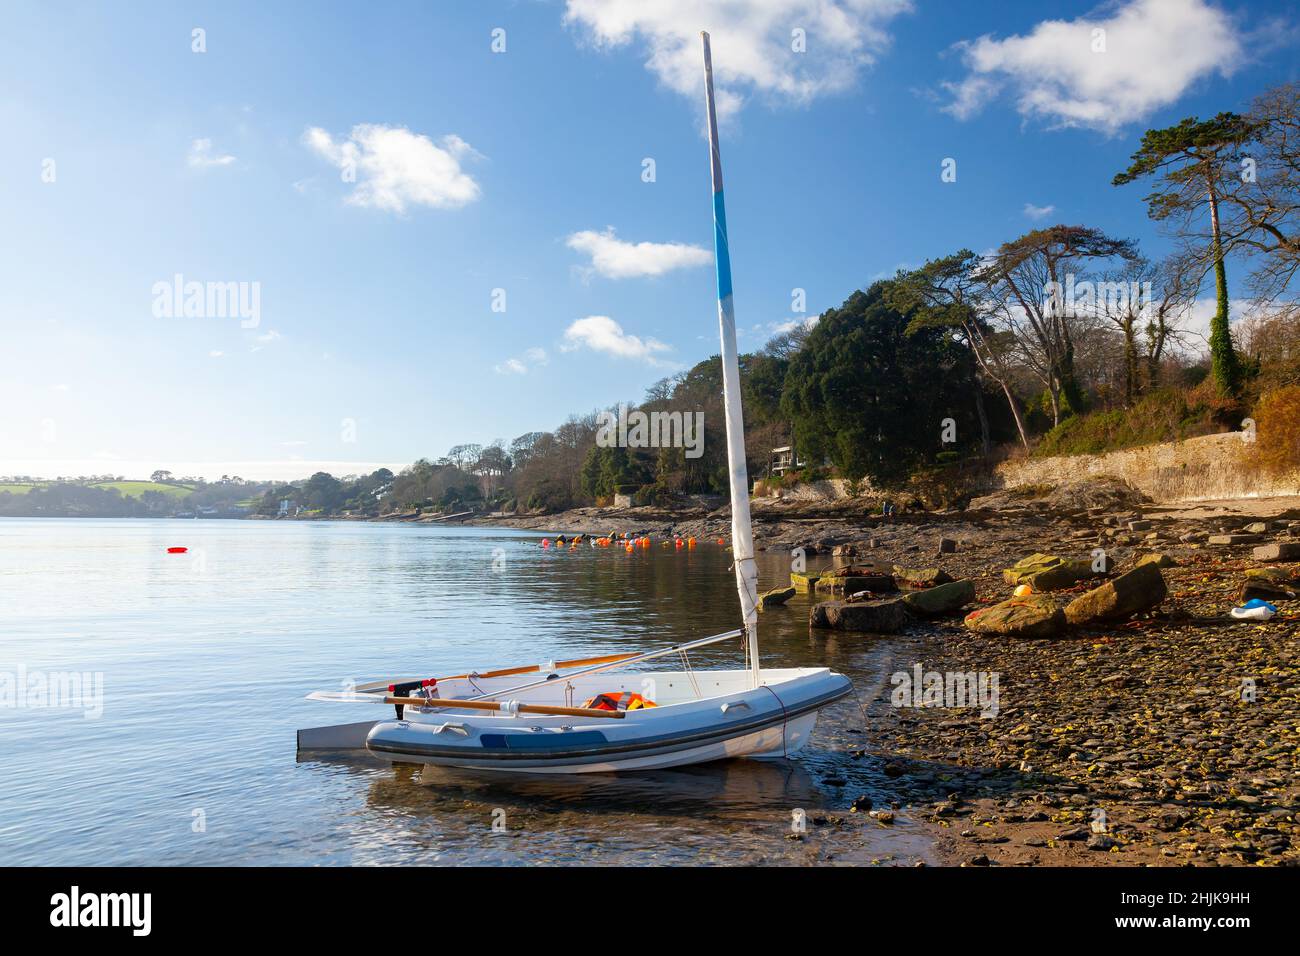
x,y
177,550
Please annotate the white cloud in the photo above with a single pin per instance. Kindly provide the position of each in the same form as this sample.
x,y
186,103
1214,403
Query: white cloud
x,y
753,46
1104,70
600,333
511,366
202,157
970,96
780,328
216,353
1038,212
270,335
394,168
615,259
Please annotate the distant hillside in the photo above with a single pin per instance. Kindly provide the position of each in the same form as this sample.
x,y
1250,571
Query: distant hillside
x,y
134,489
130,489
117,497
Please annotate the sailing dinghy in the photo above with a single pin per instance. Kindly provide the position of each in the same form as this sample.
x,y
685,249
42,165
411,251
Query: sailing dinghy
x,y
591,716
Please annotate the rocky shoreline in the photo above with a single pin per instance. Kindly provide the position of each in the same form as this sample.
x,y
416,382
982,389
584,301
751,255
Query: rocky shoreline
x,y
1167,738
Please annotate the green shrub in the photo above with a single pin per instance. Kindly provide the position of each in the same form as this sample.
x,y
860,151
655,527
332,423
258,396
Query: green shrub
x,y
659,493
1160,416
549,495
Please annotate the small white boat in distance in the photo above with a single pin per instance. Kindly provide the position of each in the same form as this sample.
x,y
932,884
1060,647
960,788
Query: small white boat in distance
x,y
590,719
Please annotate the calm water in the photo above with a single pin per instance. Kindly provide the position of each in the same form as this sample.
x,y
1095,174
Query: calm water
x,y
206,657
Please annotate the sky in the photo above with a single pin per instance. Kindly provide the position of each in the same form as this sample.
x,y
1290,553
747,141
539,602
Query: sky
x,y
446,222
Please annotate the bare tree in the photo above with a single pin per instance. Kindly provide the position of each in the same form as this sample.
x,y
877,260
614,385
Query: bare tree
x,y
1262,202
946,292
788,342
1120,301
1028,282
521,449
464,456
1175,283
492,465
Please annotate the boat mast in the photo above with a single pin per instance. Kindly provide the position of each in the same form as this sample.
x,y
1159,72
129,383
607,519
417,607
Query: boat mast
x,y
742,538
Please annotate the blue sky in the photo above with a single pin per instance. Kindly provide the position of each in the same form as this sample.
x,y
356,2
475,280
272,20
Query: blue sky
x,y
129,158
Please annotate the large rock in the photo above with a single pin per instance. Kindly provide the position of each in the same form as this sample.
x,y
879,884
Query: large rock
x,y
942,599
852,584
1035,615
803,581
1270,584
1233,539
1264,591
876,617
1279,576
1278,551
775,597
859,569
1159,559
1025,567
922,577
1048,572
1139,590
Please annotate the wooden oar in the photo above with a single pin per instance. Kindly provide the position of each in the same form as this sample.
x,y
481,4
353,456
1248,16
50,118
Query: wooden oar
x,y
508,671
535,668
493,705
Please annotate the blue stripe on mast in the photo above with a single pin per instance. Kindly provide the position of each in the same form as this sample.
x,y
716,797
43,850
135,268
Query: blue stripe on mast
x,y
721,255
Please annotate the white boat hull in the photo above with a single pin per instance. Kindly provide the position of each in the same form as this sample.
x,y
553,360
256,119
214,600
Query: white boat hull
x,y
727,719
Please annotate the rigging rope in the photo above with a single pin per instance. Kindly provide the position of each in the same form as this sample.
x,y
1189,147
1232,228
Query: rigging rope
x,y
695,685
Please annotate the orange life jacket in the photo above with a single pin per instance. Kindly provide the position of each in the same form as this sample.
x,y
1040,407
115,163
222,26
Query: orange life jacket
x,y
624,701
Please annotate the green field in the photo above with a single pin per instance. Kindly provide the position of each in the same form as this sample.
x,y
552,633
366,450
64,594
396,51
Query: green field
x,y
18,489
130,489
134,489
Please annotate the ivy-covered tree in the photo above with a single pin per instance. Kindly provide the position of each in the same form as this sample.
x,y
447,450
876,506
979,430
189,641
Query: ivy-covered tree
x,y
1191,163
